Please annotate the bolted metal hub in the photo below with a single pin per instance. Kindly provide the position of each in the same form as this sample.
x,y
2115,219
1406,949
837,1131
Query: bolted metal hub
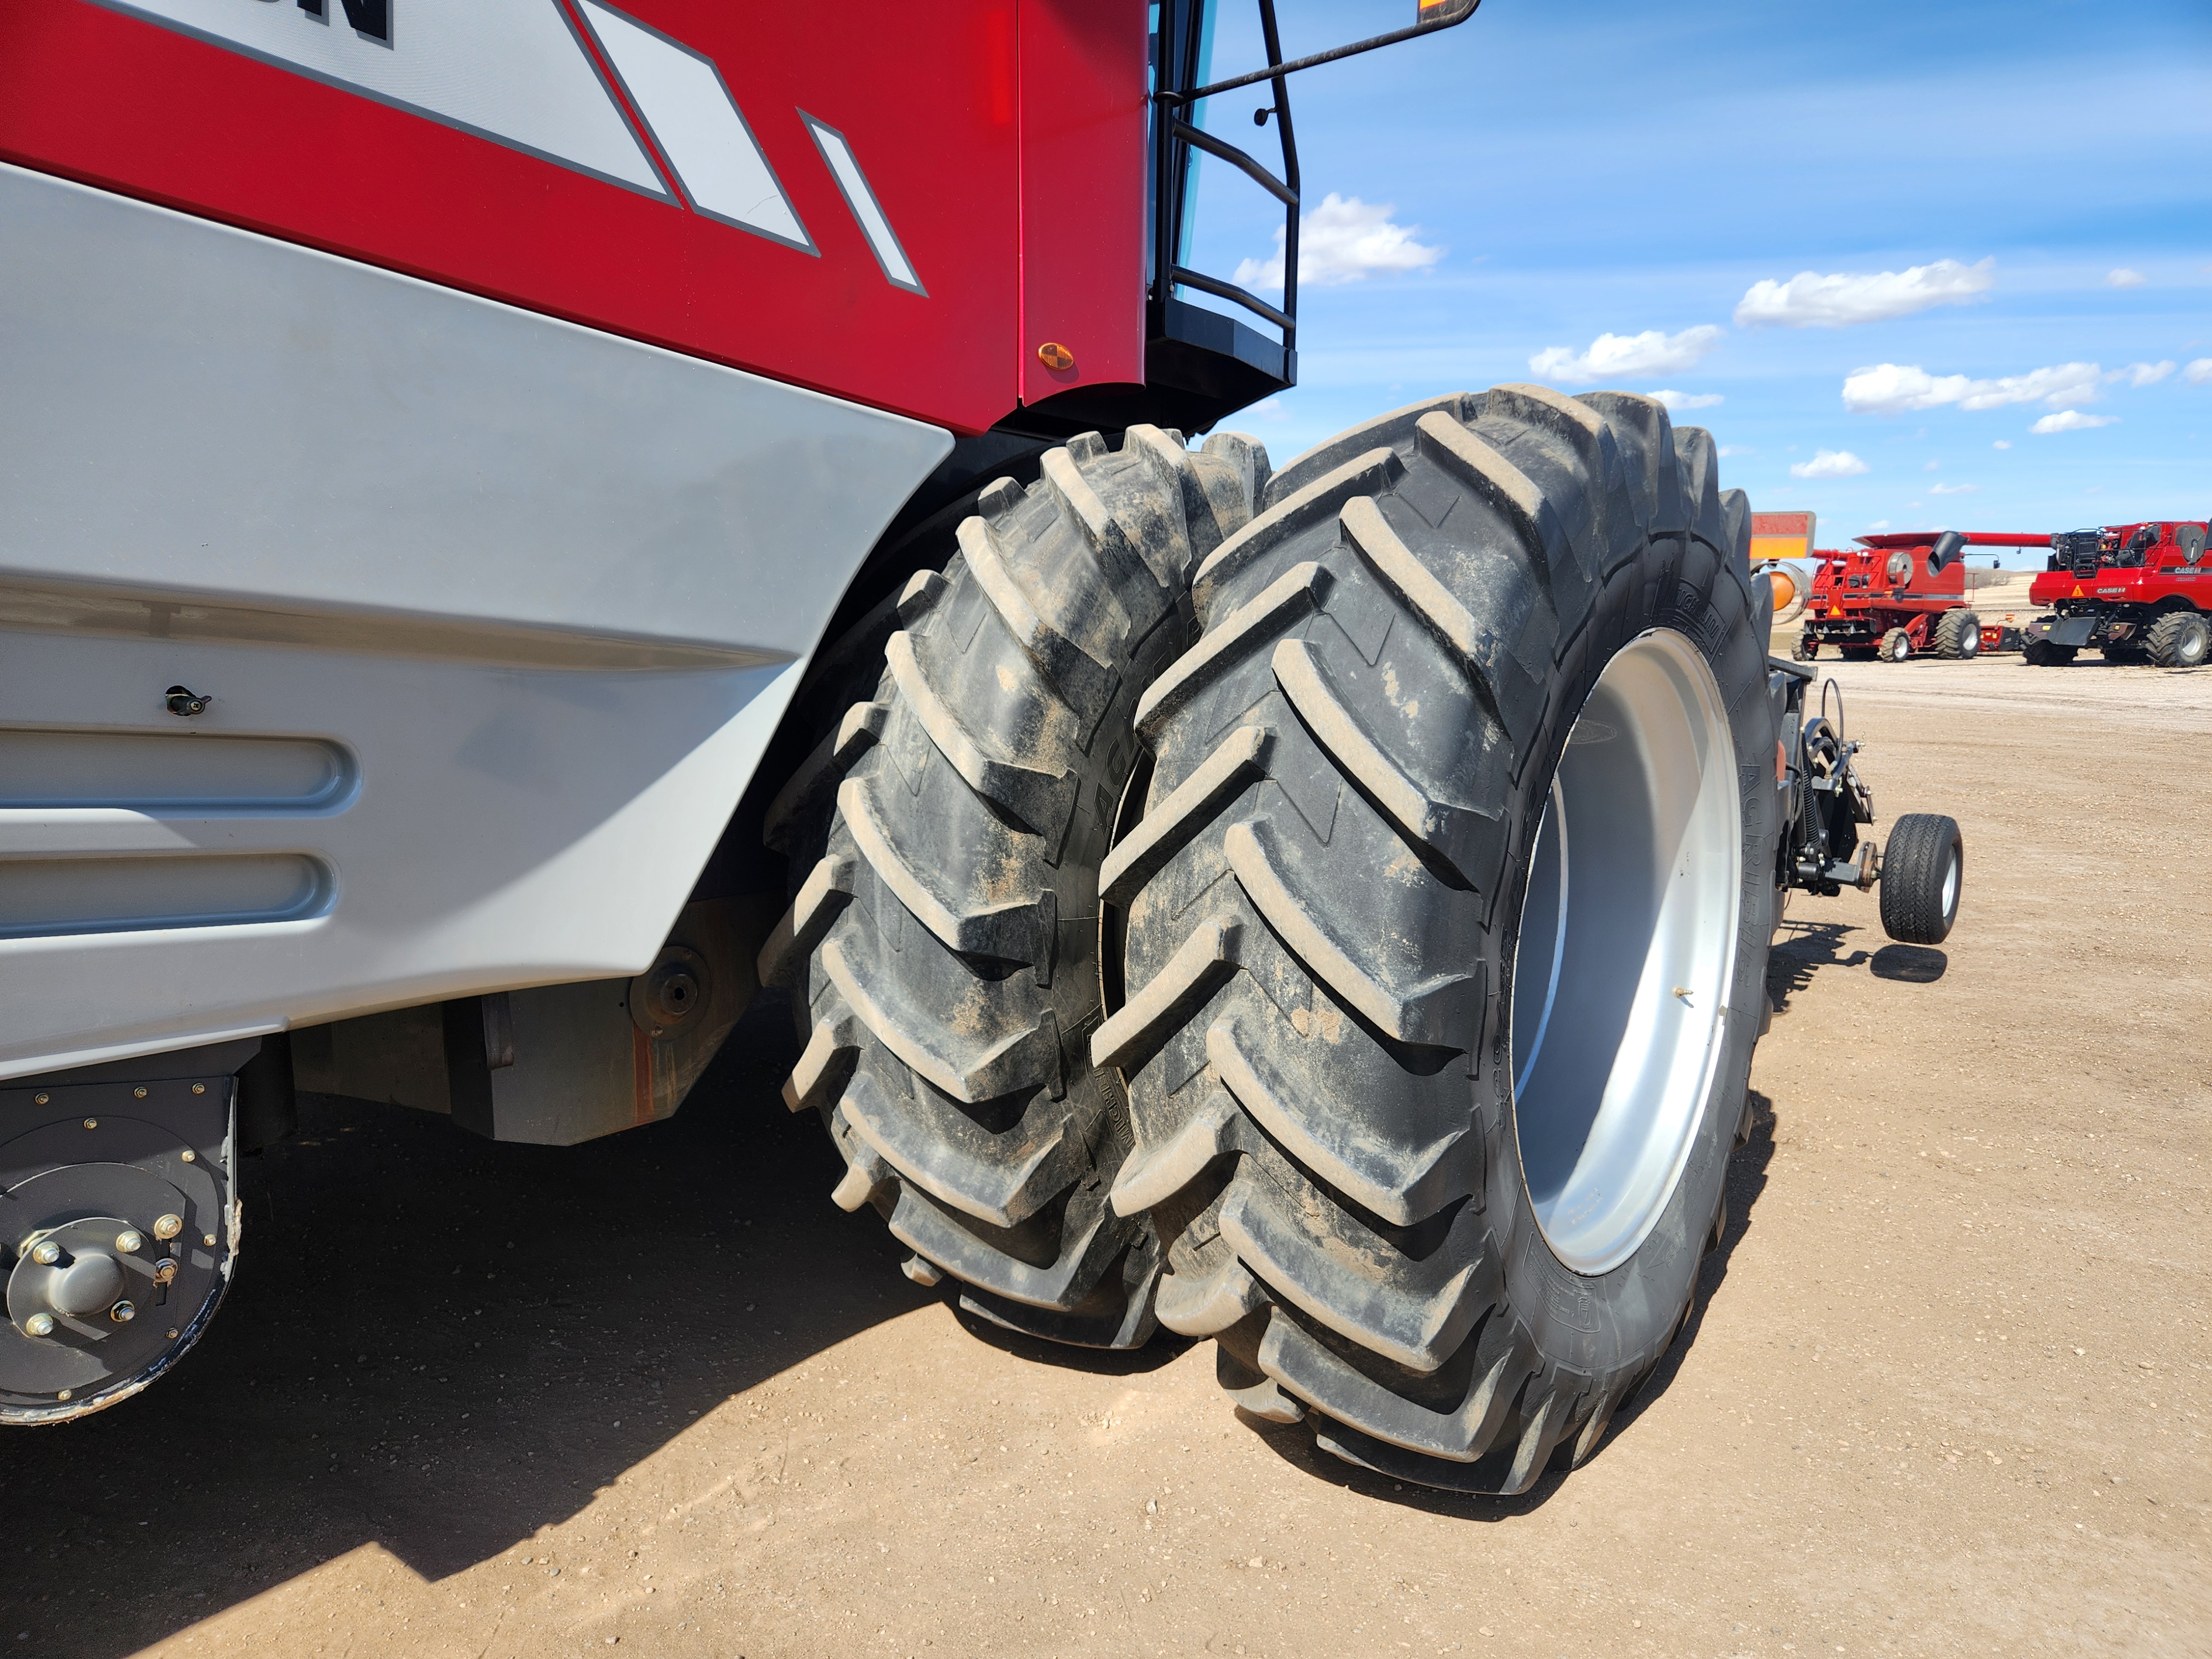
x,y
104,1190
84,1285
676,988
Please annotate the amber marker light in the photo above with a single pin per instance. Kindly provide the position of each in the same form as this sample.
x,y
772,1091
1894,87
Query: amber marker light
x,y
1053,355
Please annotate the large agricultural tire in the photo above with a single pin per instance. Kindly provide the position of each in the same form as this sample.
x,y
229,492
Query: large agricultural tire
x,y
1325,904
1959,635
944,840
2180,639
2041,654
1923,869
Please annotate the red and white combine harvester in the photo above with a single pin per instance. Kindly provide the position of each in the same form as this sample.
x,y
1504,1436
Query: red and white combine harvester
x,y
2139,593
1895,595
527,520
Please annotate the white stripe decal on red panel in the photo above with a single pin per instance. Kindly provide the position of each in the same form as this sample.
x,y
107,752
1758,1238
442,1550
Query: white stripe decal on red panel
x,y
875,225
689,112
511,70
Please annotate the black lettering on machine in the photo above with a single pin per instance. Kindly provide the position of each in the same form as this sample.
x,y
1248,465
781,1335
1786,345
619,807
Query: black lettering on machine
x,y
370,19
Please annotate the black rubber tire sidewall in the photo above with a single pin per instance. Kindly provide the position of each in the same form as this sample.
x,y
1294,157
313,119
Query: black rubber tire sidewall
x,y
1617,1322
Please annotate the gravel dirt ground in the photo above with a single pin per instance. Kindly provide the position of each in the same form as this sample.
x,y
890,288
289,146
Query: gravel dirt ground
x,y
1946,1388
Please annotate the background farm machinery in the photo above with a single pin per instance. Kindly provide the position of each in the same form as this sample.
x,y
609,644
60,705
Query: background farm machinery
x,y
1895,595
2137,591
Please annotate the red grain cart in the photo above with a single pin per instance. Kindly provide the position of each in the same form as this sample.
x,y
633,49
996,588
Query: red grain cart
x,y
1894,595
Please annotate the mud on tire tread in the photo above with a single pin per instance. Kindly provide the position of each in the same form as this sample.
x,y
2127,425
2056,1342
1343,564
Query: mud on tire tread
x,y
945,836
1321,896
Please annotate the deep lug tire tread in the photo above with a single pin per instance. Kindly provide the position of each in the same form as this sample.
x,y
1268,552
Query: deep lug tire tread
x,y
946,838
2180,639
1311,1035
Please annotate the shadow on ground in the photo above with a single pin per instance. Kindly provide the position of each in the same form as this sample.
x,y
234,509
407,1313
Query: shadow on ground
x,y
438,1345
1914,964
1800,950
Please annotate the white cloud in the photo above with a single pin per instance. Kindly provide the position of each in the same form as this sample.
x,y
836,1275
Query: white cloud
x,y
2072,420
1727,450
1878,525
2001,443
2141,374
2198,372
1933,466
1270,408
1344,239
1954,490
1896,388
1628,357
1677,401
1809,300
1830,463
2123,278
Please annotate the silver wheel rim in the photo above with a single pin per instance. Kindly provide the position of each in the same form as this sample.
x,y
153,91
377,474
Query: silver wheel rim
x,y
1635,891
1950,885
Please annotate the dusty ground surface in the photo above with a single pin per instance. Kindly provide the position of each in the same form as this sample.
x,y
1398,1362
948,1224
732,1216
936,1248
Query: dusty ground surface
x,y
1946,1388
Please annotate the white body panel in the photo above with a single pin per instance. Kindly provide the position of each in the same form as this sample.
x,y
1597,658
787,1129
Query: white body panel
x,y
497,614
547,100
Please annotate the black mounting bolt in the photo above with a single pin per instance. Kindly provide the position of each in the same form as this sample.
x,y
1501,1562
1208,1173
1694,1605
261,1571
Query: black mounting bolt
x,y
185,703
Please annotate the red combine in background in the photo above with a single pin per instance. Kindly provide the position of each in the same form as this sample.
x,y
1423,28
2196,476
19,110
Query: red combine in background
x,y
1893,595
2137,591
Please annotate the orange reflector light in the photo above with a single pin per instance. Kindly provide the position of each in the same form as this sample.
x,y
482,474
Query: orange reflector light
x,y
1053,355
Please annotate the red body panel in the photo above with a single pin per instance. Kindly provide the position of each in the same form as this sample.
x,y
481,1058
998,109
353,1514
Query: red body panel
x,y
2165,573
1887,604
1004,139
1083,192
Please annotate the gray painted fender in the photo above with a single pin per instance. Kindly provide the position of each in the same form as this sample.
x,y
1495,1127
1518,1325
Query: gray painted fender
x,y
497,615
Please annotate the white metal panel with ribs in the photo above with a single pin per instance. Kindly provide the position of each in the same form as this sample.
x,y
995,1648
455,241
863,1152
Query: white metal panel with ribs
x,y
497,615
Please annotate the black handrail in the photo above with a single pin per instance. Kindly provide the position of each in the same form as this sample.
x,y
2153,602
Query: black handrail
x,y
1180,25
1184,276
1237,159
1448,15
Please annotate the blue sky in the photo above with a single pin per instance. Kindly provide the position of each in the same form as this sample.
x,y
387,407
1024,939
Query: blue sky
x,y
1957,183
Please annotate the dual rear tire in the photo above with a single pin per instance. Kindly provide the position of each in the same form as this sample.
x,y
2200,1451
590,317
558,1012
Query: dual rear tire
x,y
1369,983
